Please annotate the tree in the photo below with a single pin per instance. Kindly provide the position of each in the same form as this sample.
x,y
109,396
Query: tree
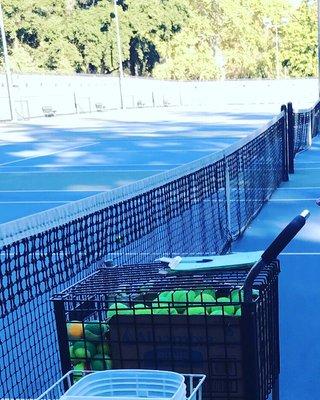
x,y
299,44
240,33
169,39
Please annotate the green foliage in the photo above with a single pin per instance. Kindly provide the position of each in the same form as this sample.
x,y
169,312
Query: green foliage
x,y
167,39
299,51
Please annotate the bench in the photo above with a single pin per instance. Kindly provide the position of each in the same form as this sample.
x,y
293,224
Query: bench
x,y
100,107
48,111
140,103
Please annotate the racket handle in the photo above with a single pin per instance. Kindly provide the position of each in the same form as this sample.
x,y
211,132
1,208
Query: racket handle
x,y
285,237
272,252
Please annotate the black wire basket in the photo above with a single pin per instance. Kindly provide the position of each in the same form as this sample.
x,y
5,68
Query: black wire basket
x,y
120,321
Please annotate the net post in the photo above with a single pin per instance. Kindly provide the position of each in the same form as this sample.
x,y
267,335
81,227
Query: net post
x,y
310,128
228,195
291,137
285,153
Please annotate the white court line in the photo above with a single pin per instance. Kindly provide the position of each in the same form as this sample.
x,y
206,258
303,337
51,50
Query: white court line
x,y
307,162
52,190
145,150
80,171
98,165
300,199
49,154
309,169
36,202
299,188
301,254
208,150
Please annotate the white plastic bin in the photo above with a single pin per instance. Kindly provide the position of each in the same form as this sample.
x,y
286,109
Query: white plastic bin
x,y
128,385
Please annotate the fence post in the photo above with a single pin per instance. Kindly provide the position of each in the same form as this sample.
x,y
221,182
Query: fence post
x,y
90,109
153,101
291,137
285,153
75,102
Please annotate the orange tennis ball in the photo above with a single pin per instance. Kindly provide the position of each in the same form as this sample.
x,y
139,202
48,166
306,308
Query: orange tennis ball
x,y
75,330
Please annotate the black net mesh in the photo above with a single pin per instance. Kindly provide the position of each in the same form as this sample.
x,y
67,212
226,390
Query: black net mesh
x,y
306,127
302,128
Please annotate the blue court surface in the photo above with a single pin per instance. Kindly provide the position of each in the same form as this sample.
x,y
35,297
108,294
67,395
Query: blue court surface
x,y
299,277
48,162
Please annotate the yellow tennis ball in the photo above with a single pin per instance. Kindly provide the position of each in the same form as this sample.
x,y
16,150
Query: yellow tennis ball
x,y
195,311
100,363
238,312
217,312
103,348
165,296
78,368
118,309
229,310
205,298
141,309
81,352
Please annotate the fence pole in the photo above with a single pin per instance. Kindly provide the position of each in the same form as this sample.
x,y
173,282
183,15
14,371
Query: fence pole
x,y
75,102
285,153
7,68
90,109
291,137
121,75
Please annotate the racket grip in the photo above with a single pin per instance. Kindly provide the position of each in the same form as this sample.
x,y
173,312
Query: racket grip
x,y
272,252
285,237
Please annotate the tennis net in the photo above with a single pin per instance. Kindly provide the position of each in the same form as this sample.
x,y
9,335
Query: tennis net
x,y
306,127
198,208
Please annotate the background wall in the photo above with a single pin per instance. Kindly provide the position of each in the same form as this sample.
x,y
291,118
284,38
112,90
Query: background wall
x,y
80,93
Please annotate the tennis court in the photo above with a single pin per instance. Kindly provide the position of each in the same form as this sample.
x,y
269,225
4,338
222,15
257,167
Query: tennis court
x,y
48,162
179,211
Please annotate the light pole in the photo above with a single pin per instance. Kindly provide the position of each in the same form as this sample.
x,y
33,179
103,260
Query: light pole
x,y
7,66
219,58
119,52
276,26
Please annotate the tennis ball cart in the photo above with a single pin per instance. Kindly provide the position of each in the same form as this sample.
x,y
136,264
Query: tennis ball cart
x,y
213,316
